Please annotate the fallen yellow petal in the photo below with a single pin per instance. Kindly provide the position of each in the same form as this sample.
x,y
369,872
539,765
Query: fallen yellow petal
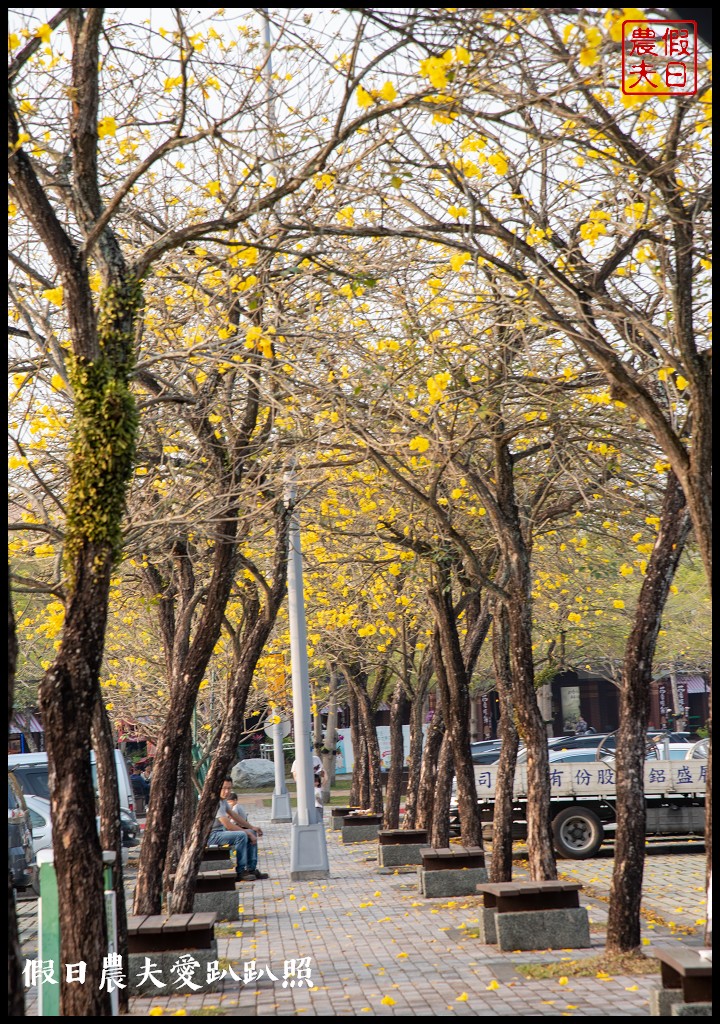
x,y
387,1001
462,998
563,980
493,985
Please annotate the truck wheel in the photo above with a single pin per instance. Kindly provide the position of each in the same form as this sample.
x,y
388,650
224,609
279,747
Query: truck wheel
x,y
577,833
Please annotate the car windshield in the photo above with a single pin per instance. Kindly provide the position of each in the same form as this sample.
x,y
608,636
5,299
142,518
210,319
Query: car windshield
x,y
34,779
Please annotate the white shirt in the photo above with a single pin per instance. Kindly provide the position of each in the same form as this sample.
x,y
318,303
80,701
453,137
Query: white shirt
x,y
317,767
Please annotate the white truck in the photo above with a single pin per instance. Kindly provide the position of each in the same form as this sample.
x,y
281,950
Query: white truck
x,y
583,801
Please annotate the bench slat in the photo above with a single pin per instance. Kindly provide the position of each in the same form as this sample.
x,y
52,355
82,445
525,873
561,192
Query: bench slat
x,y
134,922
206,919
177,923
152,925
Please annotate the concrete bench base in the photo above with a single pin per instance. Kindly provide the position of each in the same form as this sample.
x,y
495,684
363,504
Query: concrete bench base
x,y
487,932
568,928
662,1001
162,970
359,833
450,881
225,904
691,1010
220,865
336,822
403,853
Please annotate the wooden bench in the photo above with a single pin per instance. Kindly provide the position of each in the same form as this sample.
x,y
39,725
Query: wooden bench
x,y
454,858
683,968
533,915
507,897
362,819
450,871
220,853
158,933
402,836
213,881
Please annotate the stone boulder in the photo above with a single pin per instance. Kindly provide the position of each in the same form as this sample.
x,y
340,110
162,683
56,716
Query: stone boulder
x,y
253,773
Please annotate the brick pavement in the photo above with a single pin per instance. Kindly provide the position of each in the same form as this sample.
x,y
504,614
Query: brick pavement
x,y
378,948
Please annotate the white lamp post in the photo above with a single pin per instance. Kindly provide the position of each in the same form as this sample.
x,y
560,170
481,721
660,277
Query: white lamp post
x,y
280,798
308,849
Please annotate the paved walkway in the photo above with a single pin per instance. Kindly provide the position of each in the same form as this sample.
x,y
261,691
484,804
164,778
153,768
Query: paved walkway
x,y
377,948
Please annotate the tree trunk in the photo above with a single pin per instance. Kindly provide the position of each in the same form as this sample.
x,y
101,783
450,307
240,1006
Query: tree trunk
x,y
428,771
501,862
185,807
188,673
16,989
256,633
359,790
541,856
623,933
68,694
372,748
330,739
440,829
397,757
24,717
455,700
110,828
424,676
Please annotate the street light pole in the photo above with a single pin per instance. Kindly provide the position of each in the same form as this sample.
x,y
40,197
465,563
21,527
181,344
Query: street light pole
x,y
308,849
280,798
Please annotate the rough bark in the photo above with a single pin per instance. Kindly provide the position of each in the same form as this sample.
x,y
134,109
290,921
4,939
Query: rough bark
x,y
187,676
397,757
515,552
359,790
16,989
623,932
329,745
185,807
501,863
440,829
24,718
417,706
428,769
110,829
257,629
454,690
372,747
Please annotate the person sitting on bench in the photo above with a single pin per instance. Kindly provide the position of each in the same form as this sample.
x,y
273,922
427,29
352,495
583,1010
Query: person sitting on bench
x,y
232,829
252,833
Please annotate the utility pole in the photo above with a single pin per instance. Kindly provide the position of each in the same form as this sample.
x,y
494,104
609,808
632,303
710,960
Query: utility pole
x,y
308,849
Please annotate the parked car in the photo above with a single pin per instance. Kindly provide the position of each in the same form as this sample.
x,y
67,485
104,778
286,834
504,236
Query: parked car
x,y
588,741
31,770
41,825
570,756
21,853
485,751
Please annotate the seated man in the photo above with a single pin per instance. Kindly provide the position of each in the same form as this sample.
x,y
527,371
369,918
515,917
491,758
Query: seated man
x,y
252,833
231,829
